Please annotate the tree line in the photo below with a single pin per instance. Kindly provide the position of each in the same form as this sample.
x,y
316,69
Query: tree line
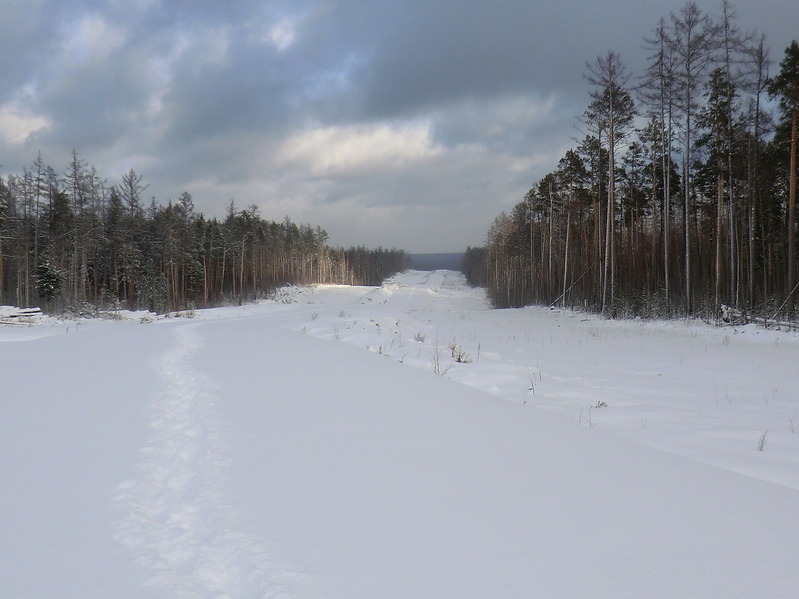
x,y
680,197
70,241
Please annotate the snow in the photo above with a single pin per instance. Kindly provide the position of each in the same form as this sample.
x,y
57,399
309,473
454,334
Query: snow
x,y
700,391
262,451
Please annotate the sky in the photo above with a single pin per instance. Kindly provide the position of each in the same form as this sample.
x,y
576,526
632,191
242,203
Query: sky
x,y
408,124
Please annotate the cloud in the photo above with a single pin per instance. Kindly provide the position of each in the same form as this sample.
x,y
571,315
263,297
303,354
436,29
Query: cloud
x,y
432,54
283,33
358,151
396,123
90,38
17,124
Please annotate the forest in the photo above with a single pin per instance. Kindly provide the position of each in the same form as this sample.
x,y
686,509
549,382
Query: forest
x,y
680,197
71,242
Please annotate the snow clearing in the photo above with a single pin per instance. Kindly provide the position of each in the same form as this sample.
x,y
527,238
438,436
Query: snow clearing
x,y
404,442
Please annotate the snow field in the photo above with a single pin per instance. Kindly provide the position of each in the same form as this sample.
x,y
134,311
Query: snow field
x,y
385,481
260,451
716,395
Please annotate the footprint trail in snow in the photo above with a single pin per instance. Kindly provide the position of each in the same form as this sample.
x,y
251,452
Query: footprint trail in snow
x,y
179,523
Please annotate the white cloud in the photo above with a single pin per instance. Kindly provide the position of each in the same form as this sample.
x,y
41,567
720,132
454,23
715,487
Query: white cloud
x,y
360,150
283,33
16,125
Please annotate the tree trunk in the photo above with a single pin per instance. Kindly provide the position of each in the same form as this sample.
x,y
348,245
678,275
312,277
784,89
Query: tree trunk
x,y
719,228
687,221
792,211
566,260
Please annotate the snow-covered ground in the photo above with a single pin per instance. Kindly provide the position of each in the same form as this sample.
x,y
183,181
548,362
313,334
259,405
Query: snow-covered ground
x,y
261,451
700,391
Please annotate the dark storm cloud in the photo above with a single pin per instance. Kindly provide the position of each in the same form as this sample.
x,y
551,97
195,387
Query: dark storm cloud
x,y
216,98
92,106
433,54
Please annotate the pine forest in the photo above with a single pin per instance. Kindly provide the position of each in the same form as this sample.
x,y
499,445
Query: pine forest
x,y
71,242
678,198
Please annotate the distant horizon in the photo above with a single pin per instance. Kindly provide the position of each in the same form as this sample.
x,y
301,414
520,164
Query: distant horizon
x,y
436,260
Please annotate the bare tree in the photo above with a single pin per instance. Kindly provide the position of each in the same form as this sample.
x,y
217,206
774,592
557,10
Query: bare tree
x,y
757,84
692,39
130,191
658,91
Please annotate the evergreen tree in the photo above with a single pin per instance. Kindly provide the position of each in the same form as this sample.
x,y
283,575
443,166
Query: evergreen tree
x,y
613,109
786,86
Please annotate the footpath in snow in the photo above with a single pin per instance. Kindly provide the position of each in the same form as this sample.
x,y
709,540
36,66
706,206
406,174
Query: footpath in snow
x,y
326,448
178,521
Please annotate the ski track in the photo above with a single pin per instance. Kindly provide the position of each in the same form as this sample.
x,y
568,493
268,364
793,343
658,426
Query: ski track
x,y
179,523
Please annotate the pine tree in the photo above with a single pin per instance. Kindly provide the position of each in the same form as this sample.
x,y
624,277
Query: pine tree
x,y
692,40
613,109
786,86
